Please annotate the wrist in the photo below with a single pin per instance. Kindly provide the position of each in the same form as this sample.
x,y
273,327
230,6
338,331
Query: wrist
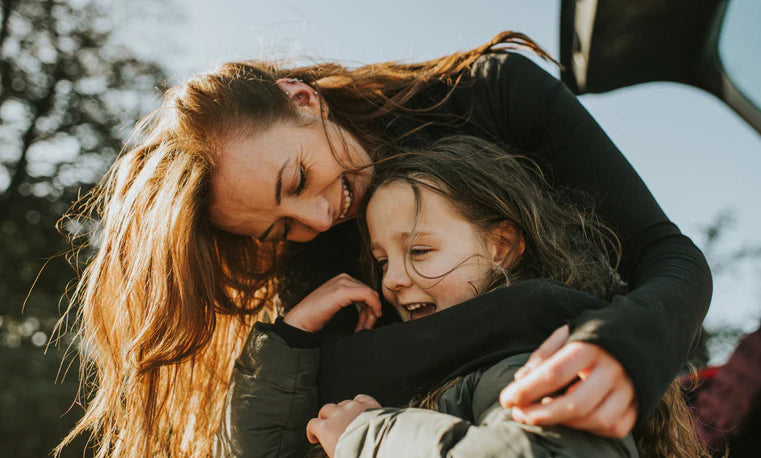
x,y
296,337
295,321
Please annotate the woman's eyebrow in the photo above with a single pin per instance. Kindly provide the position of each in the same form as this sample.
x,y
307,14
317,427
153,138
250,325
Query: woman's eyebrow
x,y
278,197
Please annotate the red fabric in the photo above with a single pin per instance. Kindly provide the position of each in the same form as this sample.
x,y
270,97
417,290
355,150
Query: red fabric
x,y
734,391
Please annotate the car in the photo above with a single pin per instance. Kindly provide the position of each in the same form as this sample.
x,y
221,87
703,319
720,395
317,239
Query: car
x,y
714,45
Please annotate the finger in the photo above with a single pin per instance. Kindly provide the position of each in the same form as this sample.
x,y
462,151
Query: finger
x,y
621,427
367,399
370,321
611,417
314,428
361,293
344,402
583,397
553,343
326,411
361,319
551,375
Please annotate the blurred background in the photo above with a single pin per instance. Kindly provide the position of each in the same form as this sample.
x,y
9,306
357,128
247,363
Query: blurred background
x,y
75,76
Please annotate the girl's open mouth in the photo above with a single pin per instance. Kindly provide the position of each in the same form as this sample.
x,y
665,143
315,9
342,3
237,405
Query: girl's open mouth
x,y
420,309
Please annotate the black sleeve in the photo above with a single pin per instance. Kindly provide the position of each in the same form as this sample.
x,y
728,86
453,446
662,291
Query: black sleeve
x,y
649,330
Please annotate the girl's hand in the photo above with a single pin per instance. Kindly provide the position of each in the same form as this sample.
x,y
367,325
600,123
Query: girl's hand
x,y
312,313
333,419
601,401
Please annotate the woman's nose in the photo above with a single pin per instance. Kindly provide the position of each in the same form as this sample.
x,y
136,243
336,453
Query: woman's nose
x,y
396,276
311,218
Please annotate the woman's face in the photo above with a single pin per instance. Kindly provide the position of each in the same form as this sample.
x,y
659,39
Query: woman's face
x,y
444,263
286,182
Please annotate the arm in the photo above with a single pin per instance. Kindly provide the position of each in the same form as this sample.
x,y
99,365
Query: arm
x,y
272,395
649,330
273,388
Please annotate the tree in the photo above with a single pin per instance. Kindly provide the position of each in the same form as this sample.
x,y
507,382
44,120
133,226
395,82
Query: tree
x,y
719,341
68,96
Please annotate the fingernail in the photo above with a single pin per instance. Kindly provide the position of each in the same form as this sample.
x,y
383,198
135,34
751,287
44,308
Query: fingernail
x,y
506,397
518,415
520,373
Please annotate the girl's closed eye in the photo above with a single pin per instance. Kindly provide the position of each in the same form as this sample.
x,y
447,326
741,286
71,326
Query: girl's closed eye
x,y
419,252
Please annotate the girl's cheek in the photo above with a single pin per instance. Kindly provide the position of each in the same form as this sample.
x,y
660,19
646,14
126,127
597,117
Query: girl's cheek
x,y
388,295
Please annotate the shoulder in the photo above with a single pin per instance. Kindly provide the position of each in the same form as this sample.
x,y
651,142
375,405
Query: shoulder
x,y
506,68
511,96
501,61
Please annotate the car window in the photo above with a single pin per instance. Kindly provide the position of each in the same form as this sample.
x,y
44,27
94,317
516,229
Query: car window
x,y
740,47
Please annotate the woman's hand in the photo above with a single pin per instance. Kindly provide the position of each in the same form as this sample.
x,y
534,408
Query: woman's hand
x,y
333,419
600,401
312,313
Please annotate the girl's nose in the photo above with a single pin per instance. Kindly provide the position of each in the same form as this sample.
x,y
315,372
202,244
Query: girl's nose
x,y
396,276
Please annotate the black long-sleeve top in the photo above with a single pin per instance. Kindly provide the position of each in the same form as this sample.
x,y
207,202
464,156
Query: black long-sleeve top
x,y
509,100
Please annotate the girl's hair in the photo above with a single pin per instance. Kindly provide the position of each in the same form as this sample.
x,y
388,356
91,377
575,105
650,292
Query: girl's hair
x,y
165,304
487,188
563,242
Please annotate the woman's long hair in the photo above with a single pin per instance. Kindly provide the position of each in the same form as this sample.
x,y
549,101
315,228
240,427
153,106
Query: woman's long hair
x,y
564,241
164,305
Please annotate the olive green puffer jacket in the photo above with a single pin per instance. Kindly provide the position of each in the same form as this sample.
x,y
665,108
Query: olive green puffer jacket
x,y
275,391
471,423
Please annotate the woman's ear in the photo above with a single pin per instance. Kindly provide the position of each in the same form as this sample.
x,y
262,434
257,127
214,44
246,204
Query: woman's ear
x,y
506,244
304,96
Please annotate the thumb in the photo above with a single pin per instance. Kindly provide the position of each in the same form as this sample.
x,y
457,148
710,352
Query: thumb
x,y
313,430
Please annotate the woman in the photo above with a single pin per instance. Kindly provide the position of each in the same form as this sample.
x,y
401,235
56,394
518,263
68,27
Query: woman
x,y
237,160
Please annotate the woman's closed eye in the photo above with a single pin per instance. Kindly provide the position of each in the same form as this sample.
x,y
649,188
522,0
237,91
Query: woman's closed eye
x,y
286,229
303,179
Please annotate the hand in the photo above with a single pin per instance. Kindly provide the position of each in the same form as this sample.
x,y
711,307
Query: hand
x,y
313,313
333,419
601,399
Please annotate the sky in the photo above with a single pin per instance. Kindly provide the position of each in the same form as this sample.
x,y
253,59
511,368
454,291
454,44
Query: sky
x,y
697,157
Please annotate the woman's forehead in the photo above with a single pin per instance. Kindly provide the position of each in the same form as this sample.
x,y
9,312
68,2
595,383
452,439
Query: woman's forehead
x,y
243,185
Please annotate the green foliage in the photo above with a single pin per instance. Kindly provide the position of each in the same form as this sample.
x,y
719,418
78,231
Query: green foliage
x,y
68,96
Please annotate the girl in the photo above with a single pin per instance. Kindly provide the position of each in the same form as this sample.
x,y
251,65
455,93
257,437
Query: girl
x,y
445,226
197,217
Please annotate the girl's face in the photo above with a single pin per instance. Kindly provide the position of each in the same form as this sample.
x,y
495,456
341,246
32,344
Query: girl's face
x,y
286,182
445,262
